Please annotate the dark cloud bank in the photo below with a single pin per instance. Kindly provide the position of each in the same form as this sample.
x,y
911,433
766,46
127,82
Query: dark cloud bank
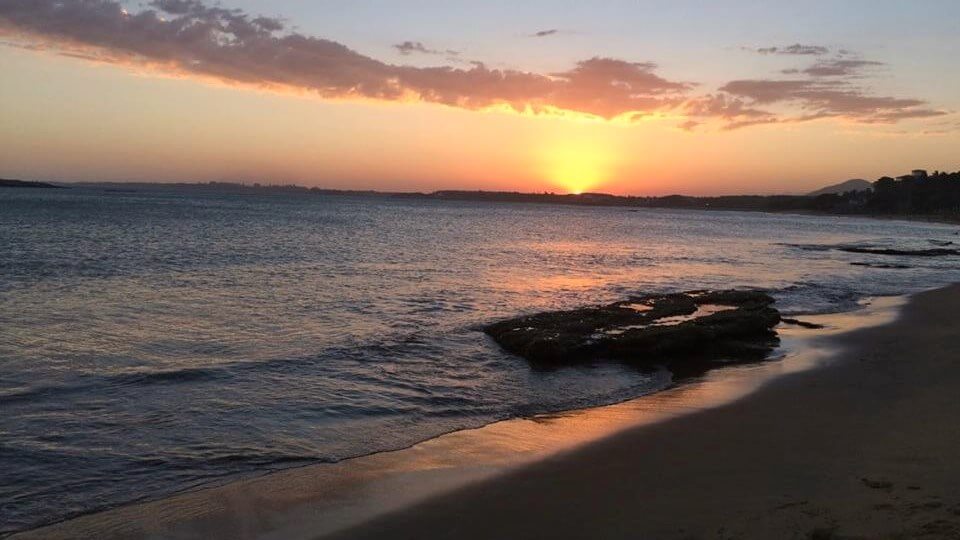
x,y
193,38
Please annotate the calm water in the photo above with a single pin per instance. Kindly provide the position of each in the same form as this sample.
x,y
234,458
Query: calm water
x,y
156,341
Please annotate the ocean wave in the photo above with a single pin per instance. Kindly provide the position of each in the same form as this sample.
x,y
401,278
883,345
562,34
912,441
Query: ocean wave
x,y
90,383
154,342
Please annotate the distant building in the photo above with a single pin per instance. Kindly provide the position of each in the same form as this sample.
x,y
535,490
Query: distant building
x,y
915,175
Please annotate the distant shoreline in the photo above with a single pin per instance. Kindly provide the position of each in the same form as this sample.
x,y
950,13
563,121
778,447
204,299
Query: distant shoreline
x,y
774,204
27,184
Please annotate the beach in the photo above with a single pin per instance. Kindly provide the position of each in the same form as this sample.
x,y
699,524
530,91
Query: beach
x,y
862,448
854,438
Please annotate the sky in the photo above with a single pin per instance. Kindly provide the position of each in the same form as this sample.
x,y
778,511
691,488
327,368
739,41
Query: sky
x,y
626,97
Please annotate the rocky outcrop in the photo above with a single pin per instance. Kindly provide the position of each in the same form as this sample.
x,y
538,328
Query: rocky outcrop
x,y
877,250
700,326
881,265
932,252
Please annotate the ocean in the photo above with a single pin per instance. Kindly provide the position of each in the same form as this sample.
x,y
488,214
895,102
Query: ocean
x,y
153,341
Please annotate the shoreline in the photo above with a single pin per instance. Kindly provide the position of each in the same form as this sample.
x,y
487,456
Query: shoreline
x,y
313,500
863,448
943,219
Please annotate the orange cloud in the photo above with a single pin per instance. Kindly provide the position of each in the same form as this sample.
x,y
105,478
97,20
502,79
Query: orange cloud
x,y
191,37
188,37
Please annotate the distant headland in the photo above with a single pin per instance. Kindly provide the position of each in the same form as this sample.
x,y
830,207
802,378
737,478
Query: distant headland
x,y
918,194
25,184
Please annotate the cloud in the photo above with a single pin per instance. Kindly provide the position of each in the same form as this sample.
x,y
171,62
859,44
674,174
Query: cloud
x,y
599,86
726,107
192,38
733,112
829,88
410,47
608,87
763,91
839,67
795,49
545,33
829,99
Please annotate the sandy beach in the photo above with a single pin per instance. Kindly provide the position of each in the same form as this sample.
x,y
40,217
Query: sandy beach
x,y
864,448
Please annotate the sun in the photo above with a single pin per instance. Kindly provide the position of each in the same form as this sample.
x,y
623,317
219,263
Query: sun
x,y
576,167
576,175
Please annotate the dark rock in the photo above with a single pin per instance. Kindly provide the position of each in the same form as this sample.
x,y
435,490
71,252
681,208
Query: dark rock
x,y
648,330
823,533
804,324
877,483
881,265
933,252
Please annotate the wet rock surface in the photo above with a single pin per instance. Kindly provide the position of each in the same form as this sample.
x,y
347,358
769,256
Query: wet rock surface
x,y
940,251
882,265
679,330
932,252
802,324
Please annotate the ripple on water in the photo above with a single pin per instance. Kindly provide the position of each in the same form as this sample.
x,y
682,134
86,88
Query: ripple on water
x,y
152,342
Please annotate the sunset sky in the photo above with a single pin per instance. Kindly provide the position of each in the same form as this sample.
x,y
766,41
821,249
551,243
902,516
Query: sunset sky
x,y
627,97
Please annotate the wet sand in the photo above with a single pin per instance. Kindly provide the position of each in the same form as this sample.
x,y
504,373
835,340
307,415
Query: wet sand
x,y
862,446
867,447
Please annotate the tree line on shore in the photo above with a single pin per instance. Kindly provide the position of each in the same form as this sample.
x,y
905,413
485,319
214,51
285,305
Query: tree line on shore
x,y
915,194
938,193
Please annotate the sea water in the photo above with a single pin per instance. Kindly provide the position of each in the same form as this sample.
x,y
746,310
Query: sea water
x,y
157,340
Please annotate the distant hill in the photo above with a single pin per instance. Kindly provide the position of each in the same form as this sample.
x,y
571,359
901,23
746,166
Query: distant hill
x,y
843,187
25,184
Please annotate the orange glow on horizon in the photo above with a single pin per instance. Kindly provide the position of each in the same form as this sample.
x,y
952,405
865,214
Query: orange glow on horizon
x,y
282,135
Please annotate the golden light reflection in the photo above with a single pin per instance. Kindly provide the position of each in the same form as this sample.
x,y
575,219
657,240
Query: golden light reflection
x,y
578,166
